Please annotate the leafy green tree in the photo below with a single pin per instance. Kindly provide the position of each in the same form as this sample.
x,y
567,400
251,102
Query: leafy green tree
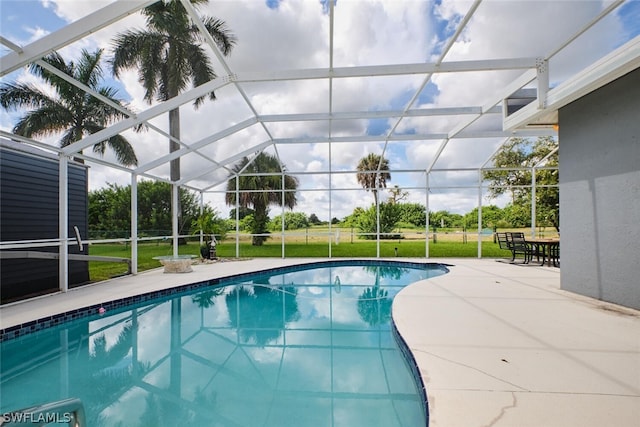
x,y
373,173
456,220
313,219
292,221
524,153
154,207
353,219
69,110
491,216
169,56
439,219
412,213
110,209
247,223
517,216
260,183
242,213
110,212
389,216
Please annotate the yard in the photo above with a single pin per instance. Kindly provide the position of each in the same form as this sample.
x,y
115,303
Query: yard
x,y
305,243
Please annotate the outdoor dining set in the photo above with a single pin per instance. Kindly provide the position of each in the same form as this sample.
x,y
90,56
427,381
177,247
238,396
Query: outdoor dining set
x,y
547,249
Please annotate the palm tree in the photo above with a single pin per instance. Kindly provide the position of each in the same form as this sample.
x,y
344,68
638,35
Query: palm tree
x,y
71,110
169,56
260,191
373,173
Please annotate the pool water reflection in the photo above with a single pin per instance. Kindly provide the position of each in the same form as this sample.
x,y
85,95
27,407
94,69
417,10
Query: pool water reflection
x,y
301,348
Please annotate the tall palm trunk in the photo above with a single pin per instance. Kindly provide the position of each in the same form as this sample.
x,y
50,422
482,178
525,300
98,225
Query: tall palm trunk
x,y
174,166
174,131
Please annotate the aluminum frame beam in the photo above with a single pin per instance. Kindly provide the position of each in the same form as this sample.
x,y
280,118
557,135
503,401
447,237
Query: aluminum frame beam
x,y
74,31
376,114
618,63
384,70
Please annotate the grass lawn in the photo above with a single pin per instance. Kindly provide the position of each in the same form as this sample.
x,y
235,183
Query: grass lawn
x,y
273,248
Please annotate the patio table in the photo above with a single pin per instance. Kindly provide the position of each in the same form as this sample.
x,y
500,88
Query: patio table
x,y
545,246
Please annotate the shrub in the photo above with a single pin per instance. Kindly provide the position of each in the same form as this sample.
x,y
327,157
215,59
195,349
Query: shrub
x,y
389,216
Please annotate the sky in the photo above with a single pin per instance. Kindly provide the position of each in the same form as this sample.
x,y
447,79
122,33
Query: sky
x,y
277,35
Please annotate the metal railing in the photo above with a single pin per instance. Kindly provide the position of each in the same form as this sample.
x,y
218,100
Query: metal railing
x,y
72,257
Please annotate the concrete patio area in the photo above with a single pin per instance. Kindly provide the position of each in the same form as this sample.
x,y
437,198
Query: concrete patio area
x,y
497,344
502,345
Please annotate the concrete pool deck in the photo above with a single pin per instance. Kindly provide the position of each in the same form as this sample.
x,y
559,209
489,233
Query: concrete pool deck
x,y
496,344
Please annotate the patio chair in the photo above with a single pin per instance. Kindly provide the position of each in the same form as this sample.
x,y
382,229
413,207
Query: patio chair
x,y
518,246
502,241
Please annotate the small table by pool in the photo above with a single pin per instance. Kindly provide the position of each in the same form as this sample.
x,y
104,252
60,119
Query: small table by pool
x,y
546,247
176,264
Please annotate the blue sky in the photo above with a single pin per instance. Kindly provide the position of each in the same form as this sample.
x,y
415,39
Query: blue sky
x,y
20,18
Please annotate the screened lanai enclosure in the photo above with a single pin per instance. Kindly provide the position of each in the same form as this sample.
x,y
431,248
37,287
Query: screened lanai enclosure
x,y
435,88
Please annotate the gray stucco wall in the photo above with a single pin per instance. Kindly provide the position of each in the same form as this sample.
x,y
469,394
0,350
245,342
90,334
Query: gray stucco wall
x,y
600,193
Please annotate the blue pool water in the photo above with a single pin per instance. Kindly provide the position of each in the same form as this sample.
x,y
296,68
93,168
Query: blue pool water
x,y
304,347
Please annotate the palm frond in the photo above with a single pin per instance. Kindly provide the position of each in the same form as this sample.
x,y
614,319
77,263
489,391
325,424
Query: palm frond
x,y
54,59
48,120
221,34
200,69
72,135
14,96
71,112
88,70
144,50
125,154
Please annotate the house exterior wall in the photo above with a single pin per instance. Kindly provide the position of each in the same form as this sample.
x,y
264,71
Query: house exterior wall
x,y
29,211
600,193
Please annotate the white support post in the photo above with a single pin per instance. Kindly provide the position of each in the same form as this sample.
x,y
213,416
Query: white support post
x,y
479,213
282,222
63,223
134,223
237,216
201,212
377,221
426,213
174,219
330,190
533,202
542,68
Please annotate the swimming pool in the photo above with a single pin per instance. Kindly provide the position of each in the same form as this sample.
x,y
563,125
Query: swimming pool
x,y
291,347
